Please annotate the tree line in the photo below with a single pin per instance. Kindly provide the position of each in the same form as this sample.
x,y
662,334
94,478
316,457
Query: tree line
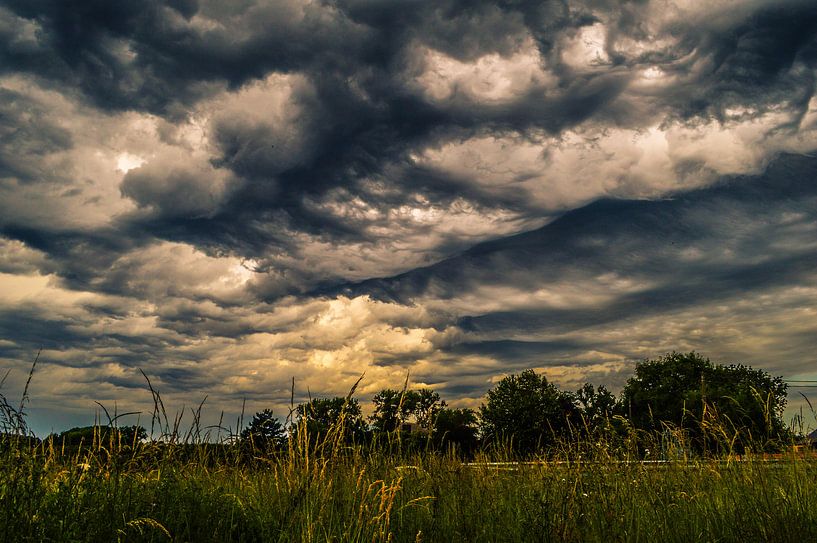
x,y
681,398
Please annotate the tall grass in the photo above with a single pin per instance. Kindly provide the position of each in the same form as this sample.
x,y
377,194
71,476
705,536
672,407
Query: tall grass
x,y
184,487
94,495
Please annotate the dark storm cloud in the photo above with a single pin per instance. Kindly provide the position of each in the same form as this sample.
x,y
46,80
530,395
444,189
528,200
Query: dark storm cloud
x,y
740,236
362,119
747,63
756,62
152,56
364,43
27,134
190,319
33,329
677,291
37,327
78,258
517,353
181,192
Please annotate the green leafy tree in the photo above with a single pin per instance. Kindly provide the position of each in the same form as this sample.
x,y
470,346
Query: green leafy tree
x,y
732,406
456,427
424,405
132,435
265,431
528,411
319,415
665,390
597,405
392,408
82,435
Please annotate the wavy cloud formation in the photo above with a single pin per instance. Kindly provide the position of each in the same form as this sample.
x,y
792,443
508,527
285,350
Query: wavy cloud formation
x,y
231,194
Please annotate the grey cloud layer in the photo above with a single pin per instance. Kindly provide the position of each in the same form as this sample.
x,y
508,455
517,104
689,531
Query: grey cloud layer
x,y
223,179
742,237
363,118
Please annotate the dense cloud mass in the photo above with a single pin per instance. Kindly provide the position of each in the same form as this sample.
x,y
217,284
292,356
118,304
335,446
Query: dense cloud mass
x,y
231,194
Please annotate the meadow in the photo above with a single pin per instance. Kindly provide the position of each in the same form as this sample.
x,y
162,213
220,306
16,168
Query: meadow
x,y
326,490
609,481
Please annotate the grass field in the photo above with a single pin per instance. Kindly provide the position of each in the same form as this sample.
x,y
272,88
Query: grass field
x,y
331,492
187,486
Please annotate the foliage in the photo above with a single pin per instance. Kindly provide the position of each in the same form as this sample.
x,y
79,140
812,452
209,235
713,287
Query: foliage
x,y
528,411
82,435
597,406
721,407
154,493
88,436
456,428
424,405
320,414
392,408
264,432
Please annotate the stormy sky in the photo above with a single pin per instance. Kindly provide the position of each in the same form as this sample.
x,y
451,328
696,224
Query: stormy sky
x,y
230,194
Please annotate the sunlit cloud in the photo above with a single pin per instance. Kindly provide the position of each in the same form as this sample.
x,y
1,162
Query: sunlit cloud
x,y
489,78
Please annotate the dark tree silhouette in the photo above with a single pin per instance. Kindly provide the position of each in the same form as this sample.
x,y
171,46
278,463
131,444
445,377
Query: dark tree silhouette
x,y
392,408
86,435
597,406
320,414
456,427
265,431
132,435
528,411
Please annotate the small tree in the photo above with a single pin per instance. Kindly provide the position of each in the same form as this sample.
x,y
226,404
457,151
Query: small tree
x,y
132,435
265,431
320,415
456,427
528,411
597,405
426,404
392,408
86,436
